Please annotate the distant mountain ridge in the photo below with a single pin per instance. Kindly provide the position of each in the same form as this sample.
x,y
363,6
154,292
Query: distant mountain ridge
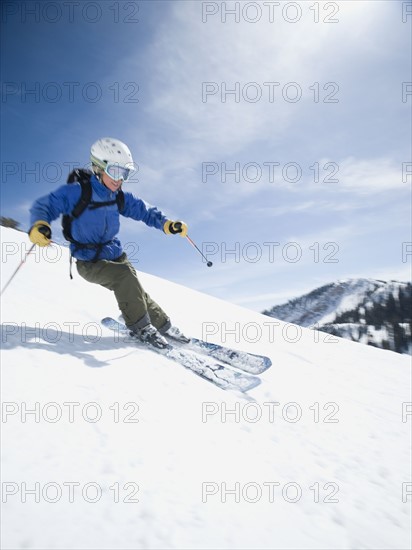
x,y
369,311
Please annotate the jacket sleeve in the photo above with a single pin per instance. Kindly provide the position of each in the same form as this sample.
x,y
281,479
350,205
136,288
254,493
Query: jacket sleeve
x,y
49,207
139,210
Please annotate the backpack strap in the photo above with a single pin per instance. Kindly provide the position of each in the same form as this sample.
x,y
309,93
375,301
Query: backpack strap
x,y
83,177
120,200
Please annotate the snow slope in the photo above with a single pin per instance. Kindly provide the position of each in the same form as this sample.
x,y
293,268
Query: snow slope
x,y
317,457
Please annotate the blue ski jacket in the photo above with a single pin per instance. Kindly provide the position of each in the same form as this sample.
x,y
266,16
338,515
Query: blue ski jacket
x,y
95,226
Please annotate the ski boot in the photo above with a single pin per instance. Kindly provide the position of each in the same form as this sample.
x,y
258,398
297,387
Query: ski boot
x,y
150,335
174,333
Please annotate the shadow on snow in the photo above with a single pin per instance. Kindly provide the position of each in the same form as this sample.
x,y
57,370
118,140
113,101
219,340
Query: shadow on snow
x,y
62,342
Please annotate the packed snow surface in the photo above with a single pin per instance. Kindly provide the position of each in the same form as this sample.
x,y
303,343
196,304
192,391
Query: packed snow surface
x,y
106,446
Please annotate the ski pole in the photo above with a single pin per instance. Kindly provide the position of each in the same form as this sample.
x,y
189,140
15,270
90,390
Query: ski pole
x,y
18,267
209,263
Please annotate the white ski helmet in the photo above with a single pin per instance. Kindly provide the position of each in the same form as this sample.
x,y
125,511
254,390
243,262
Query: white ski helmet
x,y
106,151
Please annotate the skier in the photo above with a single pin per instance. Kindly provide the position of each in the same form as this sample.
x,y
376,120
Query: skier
x,y
98,252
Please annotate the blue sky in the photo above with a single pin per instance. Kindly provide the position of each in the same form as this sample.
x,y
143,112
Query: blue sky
x,y
317,132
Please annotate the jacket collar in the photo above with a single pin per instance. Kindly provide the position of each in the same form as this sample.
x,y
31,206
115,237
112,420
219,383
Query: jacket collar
x,y
101,190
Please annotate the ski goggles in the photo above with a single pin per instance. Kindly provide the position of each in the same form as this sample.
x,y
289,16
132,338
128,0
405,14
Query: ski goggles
x,y
117,172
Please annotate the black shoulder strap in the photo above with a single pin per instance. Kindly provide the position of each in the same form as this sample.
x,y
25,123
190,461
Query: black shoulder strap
x,y
83,177
120,200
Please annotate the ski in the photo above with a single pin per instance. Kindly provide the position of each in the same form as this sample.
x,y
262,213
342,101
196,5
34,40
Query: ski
x,y
203,366
247,362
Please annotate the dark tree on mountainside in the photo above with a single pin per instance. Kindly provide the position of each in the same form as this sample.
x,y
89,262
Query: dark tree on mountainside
x,y
9,222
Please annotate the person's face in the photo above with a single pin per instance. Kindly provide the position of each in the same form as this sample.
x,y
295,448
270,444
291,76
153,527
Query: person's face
x,y
110,183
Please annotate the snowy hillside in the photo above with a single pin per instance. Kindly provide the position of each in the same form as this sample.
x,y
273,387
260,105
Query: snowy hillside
x,y
378,313
106,446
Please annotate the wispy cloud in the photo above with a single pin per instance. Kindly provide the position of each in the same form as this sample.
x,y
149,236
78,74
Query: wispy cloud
x,y
188,53
370,176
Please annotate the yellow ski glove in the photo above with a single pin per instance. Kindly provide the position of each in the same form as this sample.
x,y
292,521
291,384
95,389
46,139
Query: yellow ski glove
x,y
40,233
175,228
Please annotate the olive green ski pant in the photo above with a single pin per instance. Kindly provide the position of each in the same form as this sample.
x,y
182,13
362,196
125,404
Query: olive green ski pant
x,y
137,307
